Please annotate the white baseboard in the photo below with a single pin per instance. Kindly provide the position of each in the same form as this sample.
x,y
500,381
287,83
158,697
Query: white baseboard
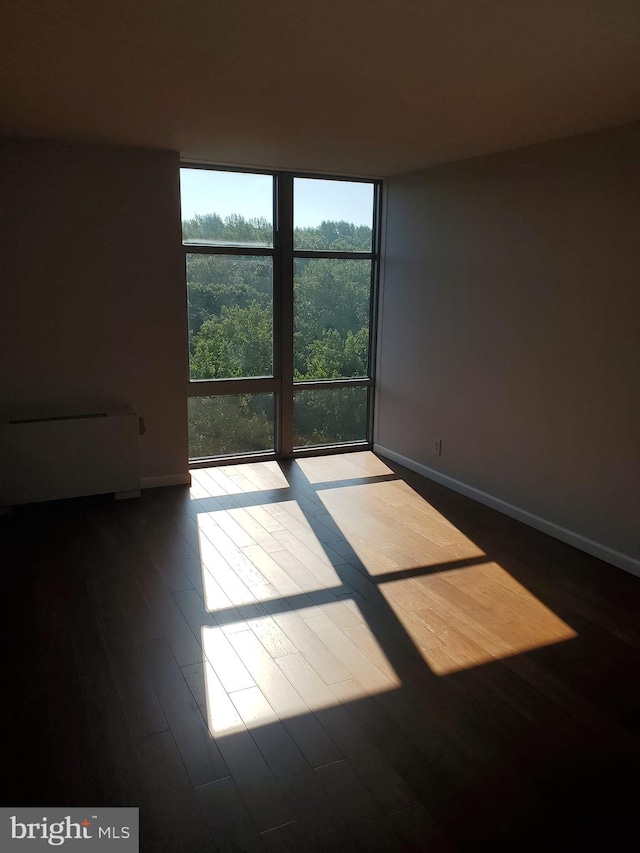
x,y
596,549
182,479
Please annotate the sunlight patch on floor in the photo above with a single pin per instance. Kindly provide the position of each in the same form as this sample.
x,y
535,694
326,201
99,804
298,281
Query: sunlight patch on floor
x,y
222,716
385,534
226,480
347,466
473,615
239,672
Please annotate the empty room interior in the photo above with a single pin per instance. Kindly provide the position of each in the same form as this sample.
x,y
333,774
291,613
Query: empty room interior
x,y
320,421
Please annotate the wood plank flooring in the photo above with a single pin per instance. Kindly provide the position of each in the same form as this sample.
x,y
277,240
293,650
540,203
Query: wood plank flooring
x,y
323,654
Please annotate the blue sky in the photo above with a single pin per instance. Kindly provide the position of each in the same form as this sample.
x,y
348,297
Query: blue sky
x,y
315,200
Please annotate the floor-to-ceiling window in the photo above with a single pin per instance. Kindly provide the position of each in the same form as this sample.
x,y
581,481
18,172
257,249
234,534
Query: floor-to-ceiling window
x,y
281,282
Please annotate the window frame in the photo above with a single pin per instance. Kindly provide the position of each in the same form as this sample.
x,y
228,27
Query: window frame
x,y
283,255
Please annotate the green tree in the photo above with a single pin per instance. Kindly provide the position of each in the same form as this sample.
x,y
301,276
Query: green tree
x,y
211,228
236,343
230,333
224,425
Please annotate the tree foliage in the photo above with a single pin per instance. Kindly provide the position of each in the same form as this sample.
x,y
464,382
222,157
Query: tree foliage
x,y
230,331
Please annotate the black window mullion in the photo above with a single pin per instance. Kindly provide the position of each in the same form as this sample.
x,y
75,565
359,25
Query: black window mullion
x,y
286,313
240,385
339,256
373,307
277,310
312,384
206,249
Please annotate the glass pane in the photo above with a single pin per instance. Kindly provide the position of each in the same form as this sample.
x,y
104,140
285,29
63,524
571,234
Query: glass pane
x,y
331,318
332,216
230,316
329,416
226,208
235,423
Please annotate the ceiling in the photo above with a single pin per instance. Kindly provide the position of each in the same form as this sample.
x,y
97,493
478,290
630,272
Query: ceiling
x,y
362,87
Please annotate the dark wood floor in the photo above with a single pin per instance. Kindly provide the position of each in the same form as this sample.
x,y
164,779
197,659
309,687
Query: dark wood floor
x,y
329,654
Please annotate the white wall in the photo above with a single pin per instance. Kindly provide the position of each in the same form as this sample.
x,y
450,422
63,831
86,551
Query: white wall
x,y
511,329
92,301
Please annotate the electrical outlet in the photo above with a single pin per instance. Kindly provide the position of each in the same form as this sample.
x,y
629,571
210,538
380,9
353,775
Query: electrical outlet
x,y
437,447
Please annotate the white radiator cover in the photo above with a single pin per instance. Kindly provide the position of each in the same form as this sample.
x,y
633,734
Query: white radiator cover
x,y
48,459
